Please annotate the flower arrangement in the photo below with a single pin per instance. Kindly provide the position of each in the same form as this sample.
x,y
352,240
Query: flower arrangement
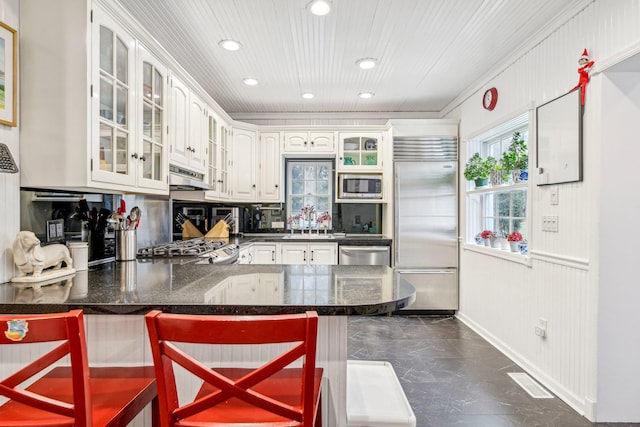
x,y
307,212
323,221
294,221
514,237
486,234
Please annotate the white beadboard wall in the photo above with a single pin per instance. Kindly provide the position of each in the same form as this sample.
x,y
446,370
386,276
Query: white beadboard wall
x,y
9,183
580,279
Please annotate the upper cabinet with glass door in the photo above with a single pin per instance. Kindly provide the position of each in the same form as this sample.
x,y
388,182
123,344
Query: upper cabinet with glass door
x,y
360,151
101,122
151,148
114,80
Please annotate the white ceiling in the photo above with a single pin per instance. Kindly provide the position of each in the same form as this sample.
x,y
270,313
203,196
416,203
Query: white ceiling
x,y
429,51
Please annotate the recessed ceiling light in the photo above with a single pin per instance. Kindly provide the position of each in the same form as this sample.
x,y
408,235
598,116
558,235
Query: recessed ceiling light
x,y
366,95
320,7
250,81
308,95
230,44
366,63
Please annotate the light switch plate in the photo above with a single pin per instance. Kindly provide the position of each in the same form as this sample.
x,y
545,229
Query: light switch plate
x,y
550,223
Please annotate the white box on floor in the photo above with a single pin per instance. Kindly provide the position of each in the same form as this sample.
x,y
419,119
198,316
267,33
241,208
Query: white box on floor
x,y
375,397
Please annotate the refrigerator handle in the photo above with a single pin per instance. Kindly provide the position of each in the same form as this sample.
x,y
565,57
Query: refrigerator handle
x,y
426,271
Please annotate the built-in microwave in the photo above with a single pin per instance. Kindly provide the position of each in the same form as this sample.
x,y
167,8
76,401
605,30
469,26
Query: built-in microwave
x,y
361,186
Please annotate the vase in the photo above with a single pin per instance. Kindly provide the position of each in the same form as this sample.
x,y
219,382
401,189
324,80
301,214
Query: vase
x,y
481,182
487,242
515,174
515,246
504,244
524,175
479,240
495,242
524,247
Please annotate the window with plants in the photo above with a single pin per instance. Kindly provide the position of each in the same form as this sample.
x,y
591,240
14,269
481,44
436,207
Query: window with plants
x,y
309,193
497,182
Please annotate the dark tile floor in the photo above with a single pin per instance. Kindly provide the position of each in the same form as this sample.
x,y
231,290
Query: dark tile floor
x,y
453,377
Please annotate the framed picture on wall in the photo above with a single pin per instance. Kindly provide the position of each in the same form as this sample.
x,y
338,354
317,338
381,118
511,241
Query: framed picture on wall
x,y
8,77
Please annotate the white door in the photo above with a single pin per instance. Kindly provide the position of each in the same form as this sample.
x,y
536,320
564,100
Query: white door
x,y
243,183
197,134
179,123
323,253
264,254
322,142
295,253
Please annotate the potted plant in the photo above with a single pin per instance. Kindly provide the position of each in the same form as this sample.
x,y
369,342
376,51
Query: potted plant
x,y
514,239
488,236
498,174
477,170
516,158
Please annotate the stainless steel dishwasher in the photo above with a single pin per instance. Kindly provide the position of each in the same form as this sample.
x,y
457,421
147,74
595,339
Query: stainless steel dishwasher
x,y
364,255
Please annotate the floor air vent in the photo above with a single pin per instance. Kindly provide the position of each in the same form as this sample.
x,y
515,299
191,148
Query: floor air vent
x,y
534,389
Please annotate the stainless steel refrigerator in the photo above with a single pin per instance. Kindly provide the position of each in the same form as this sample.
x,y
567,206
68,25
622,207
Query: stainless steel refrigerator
x,y
426,220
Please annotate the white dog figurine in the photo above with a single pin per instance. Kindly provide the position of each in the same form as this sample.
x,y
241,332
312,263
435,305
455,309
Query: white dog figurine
x,y
30,257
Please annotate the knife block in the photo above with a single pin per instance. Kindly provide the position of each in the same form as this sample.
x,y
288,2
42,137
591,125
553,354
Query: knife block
x,y
190,231
220,230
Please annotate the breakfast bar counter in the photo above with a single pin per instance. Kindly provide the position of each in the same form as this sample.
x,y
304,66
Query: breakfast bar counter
x,y
115,297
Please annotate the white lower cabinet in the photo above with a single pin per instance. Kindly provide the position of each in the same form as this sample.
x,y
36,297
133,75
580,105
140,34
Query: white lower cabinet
x,y
245,255
310,253
266,253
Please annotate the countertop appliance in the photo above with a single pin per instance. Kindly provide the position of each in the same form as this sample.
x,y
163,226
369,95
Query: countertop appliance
x,y
426,219
361,186
364,255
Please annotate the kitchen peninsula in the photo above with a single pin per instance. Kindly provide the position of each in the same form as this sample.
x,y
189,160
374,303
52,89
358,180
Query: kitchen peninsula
x,y
115,297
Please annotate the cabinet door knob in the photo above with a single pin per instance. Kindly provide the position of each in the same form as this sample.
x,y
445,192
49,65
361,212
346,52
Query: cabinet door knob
x,y
143,158
304,255
134,155
254,186
311,255
305,143
276,185
312,142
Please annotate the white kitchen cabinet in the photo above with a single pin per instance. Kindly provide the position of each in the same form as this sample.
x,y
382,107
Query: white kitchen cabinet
x,y
91,122
360,151
218,161
310,253
245,255
243,166
270,168
187,127
266,253
309,142
153,166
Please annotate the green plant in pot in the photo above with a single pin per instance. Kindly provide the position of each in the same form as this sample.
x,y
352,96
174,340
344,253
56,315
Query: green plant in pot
x,y
516,158
497,172
477,170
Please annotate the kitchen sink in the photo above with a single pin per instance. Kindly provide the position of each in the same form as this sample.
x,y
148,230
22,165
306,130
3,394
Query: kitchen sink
x,y
305,236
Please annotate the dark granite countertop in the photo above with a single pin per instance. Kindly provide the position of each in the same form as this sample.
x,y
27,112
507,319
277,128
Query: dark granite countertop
x,y
183,286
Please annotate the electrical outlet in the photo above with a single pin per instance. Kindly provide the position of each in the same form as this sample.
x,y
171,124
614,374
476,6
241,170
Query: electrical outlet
x,y
553,195
550,223
541,328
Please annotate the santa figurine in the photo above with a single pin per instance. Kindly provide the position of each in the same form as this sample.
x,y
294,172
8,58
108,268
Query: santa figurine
x,y
585,68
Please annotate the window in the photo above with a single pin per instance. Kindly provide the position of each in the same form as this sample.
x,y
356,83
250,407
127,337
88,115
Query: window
x,y
309,184
501,208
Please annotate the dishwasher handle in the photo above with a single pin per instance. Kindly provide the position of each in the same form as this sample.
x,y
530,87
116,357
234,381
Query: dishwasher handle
x,y
353,250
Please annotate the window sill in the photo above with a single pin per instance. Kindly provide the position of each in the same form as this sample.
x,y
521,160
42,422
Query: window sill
x,y
496,188
498,253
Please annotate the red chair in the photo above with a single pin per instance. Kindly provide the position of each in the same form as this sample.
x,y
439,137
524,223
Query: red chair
x,y
273,394
73,395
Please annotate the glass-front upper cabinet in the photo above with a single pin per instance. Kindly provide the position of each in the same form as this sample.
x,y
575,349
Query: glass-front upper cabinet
x,y
116,77
360,151
214,155
151,152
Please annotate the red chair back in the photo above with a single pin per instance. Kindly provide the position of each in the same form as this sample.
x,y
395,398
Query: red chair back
x,y
39,328
274,393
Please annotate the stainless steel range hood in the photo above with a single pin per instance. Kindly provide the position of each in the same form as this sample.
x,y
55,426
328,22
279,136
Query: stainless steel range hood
x,y
185,179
